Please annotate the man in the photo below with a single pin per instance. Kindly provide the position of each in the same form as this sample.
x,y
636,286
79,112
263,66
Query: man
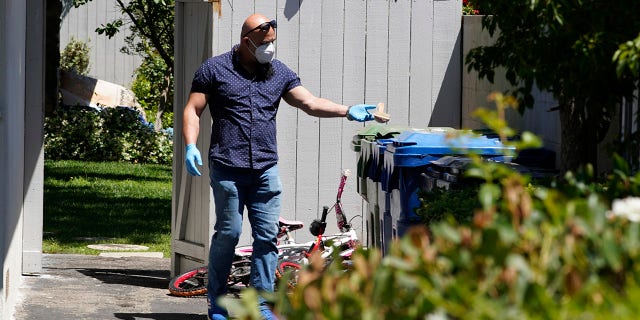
x,y
243,88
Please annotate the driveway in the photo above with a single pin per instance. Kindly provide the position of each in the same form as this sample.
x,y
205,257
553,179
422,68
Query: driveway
x,y
95,287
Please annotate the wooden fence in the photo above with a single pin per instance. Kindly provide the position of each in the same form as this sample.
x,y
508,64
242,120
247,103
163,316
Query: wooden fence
x,y
405,53
106,61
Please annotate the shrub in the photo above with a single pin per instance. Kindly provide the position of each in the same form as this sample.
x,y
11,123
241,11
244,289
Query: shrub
x,y
458,203
111,134
529,252
75,57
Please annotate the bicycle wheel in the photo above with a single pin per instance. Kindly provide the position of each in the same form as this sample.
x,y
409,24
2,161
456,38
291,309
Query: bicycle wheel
x,y
294,253
189,284
240,272
290,270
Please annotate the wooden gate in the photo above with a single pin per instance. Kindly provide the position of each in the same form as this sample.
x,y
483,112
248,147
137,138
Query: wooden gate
x,y
191,201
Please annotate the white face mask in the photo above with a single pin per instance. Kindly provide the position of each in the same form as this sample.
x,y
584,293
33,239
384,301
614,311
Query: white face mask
x,y
264,53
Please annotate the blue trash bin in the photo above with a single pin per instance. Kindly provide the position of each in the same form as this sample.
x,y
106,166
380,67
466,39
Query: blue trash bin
x,y
408,158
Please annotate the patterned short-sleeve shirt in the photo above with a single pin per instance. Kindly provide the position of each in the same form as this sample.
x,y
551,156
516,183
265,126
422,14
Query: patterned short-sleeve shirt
x,y
243,109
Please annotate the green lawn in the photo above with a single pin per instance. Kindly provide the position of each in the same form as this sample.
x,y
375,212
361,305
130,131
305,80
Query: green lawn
x,y
106,202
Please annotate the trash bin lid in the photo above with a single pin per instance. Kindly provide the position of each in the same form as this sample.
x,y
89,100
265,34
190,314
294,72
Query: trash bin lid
x,y
375,131
413,148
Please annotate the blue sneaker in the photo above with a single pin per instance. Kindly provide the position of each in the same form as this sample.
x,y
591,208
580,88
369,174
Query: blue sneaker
x,y
266,313
217,316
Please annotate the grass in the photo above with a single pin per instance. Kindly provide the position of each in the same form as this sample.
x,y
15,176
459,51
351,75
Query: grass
x,y
106,202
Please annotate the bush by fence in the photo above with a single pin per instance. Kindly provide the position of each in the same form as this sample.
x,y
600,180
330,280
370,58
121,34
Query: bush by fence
x,y
110,134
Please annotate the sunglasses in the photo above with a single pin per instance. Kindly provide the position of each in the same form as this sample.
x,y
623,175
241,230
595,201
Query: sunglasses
x,y
263,27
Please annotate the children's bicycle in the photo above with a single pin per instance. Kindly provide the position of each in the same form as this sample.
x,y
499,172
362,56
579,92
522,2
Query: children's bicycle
x,y
291,255
345,242
194,282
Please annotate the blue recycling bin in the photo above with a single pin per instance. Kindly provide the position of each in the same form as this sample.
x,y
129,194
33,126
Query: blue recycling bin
x,y
408,158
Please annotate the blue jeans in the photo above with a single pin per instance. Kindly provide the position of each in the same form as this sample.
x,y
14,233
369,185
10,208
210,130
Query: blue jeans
x,y
233,190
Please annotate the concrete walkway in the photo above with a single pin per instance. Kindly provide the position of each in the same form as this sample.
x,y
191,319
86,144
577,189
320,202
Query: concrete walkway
x,y
94,287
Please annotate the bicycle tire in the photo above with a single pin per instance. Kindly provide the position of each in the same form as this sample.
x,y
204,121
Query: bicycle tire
x,y
189,284
240,272
290,269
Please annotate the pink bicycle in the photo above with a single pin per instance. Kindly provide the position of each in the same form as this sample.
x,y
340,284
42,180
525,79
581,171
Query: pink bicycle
x,y
292,255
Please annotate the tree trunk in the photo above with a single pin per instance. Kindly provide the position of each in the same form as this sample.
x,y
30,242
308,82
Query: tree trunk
x,y
162,105
579,138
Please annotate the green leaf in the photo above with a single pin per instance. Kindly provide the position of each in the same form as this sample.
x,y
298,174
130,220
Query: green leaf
x,y
529,140
507,234
611,251
446,231
488,194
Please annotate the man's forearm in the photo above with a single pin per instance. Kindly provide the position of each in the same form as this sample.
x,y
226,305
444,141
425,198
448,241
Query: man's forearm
x,y
326,108
191,116
190,128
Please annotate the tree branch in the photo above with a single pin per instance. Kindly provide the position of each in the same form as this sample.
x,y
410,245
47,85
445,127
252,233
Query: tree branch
x,y
155,41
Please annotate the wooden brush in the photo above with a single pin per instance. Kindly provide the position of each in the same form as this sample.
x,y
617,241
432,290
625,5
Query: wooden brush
x,y
379,115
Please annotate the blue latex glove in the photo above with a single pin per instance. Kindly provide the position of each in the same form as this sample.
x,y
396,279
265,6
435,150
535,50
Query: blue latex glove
x,y
360,112
193,157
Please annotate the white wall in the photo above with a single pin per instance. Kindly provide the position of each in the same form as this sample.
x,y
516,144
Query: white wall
x,y
12,106
33,204
21,159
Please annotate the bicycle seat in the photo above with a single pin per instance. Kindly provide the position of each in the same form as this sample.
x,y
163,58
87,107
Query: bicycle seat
x,y
291,225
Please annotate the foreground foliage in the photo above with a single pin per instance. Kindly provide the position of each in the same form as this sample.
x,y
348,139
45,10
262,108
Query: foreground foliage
x,y
527,251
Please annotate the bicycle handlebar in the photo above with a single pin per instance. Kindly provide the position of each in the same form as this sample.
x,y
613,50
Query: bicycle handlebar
x,y
325,211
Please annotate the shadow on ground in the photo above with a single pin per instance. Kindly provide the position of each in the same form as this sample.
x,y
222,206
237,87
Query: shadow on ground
x,y
157,279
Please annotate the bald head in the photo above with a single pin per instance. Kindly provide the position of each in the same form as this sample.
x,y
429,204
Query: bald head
x,y
252,22
257,31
